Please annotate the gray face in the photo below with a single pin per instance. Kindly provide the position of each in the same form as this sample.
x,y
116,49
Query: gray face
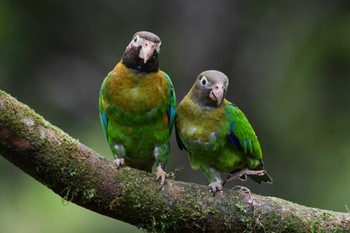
x,y
148,44
142,52
210,88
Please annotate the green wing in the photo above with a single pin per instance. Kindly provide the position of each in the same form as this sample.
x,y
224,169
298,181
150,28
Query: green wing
x,y
172,105
241,133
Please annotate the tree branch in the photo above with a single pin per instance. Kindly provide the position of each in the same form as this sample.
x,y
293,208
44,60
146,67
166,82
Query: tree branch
x,y
78,174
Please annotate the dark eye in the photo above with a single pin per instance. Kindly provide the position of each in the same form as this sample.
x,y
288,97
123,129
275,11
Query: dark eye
x,y
204,81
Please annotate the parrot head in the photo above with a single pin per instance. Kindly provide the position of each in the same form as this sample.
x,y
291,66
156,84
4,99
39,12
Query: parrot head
x,y
142,52
210,88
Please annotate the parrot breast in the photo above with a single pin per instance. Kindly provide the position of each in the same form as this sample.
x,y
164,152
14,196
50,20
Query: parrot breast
x,y
204,133
200,127
138,92
134,98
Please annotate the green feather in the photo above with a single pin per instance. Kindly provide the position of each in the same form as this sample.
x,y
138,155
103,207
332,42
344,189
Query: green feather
x,y
137,111
241,128
215,133
204,132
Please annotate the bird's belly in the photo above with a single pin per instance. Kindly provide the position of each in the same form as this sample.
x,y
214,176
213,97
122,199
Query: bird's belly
x,y
211,148
200,138
139,131
139,141
137,111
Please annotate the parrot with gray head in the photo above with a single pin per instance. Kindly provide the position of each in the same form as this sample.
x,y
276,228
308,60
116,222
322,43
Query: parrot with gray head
x,y
216,134
137,107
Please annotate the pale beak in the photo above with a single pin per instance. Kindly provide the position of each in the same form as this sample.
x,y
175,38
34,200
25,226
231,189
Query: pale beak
x,y
146,51
217,93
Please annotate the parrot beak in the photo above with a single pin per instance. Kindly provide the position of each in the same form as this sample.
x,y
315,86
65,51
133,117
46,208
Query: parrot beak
x,y
217,93
146,51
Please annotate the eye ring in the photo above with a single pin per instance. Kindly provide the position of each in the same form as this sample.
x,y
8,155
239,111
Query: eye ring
x,y
204,81
136,39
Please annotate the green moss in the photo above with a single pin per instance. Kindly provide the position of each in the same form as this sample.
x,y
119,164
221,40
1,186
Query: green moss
x,y
163,217
246,221
292,225
240,206
89,193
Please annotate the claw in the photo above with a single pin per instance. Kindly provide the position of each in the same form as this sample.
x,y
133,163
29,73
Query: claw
x,y
119,162
160,175
215,187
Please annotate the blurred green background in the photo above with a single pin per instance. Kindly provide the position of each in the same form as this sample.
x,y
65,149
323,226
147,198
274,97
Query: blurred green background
x,y
289,69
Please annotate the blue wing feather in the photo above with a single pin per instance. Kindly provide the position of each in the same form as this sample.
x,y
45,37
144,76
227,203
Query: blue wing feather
x,y
233,138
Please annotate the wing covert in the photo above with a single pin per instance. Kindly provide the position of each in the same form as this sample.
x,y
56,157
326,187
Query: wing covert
x,y
241,133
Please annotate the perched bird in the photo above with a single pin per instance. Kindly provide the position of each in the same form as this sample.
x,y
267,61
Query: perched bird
x,y
137,107
216,134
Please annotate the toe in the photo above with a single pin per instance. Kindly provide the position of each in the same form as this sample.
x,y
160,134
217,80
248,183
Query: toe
x,y
215,187
160,175
119,162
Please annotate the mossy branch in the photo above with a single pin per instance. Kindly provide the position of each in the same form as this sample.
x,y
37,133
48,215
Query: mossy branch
x,y
80,175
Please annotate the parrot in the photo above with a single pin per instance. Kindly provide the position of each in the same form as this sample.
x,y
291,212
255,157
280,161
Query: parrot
x,y
137,104
216,134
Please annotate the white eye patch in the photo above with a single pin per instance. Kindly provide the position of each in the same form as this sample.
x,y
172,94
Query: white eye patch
x,y
203,81
135,40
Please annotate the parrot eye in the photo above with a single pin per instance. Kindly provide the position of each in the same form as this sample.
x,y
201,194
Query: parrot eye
x,y
204,81
136,39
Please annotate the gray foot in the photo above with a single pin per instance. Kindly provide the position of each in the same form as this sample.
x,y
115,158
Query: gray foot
x,y
215,187
161,175
119,162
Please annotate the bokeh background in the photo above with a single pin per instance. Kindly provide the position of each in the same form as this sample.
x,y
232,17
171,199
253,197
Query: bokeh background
x,y
289,69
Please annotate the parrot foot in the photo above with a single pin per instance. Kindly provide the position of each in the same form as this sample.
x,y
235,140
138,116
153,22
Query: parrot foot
x,y
215,187
119,162
160,175
242,174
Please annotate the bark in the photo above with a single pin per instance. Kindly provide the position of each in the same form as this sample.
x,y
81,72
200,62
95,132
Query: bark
x,y
80,175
